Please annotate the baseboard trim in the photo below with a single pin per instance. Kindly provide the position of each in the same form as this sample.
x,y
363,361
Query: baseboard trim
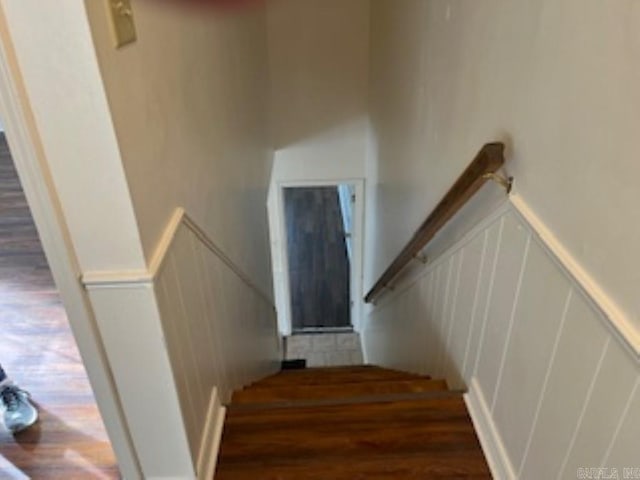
x,y
490,440
211,437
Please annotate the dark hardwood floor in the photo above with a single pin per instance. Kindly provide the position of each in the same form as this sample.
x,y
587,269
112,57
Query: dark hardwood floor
x,y
38,351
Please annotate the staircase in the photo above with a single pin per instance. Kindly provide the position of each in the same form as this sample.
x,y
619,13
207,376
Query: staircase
x,y
349,423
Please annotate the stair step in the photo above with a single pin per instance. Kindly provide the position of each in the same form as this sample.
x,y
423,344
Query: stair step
x,y
349,423
334,375
291,393
404,466
404,438
248,408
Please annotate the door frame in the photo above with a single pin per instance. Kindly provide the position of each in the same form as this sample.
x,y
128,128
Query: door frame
x,y
28,156
282,286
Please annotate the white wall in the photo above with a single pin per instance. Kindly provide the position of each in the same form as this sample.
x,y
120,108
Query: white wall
x,y
318,62
76,134
318,56
189,105
552,384
318,65
338,154
558,79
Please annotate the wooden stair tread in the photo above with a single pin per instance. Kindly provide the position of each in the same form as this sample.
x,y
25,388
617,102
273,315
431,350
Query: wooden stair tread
x,y
353,435
340,390
427,405
349,423
333,375
327,402
406,466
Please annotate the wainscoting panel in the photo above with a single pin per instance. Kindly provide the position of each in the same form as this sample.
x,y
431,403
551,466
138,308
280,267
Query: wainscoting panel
x,y
581,344
514,242
541,305
465,304
491,235
595,432
553,380
624,449
220,331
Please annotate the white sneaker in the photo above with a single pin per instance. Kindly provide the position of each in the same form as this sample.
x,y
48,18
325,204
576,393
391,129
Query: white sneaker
x,y
18,413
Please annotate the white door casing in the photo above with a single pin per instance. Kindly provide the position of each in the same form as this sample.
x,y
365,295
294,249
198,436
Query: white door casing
x,y
279,249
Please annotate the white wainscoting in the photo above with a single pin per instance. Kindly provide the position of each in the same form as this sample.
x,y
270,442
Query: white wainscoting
x,y
220,329
553,382
181,338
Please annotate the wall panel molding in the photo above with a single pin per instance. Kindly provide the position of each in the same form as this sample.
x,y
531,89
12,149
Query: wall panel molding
x,y
109,278
528,349
209,330
620,322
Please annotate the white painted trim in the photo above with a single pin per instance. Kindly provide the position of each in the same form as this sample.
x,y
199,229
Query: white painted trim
x,y
116,278
216,250
130,278
318,183
490,440
283,245
617,318
166,240
211,438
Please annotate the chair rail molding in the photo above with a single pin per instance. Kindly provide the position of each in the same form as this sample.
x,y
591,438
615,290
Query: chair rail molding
x,y
489,159
618,319
550,360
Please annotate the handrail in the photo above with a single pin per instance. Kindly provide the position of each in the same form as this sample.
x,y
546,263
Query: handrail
x,y
489,159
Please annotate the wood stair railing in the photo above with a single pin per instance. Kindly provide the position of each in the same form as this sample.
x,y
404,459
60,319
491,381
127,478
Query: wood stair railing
x,y
484,166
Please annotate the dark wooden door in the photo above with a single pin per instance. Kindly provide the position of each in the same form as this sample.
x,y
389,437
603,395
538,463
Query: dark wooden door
x,y
318,261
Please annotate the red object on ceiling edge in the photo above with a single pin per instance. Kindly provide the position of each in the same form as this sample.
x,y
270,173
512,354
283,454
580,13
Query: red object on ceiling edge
x,y
226,4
